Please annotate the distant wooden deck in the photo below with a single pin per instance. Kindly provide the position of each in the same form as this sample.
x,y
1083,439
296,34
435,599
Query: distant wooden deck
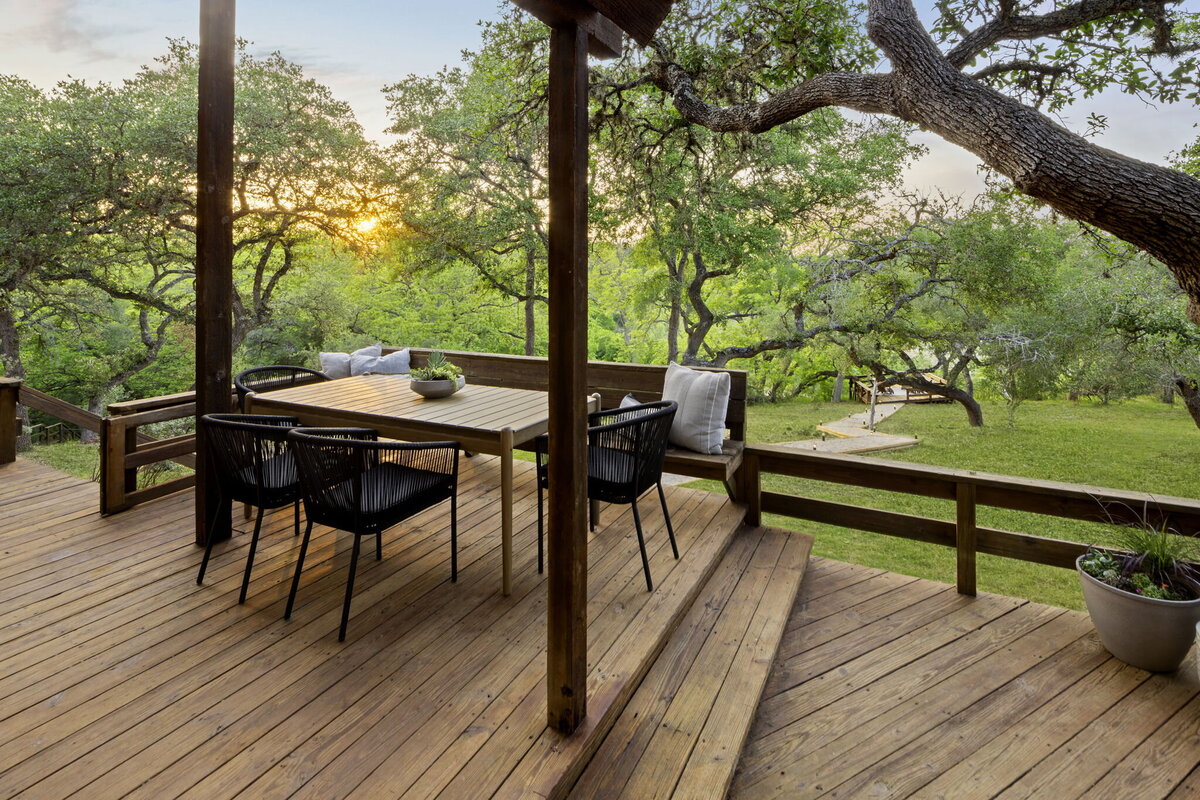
x,y
120,677
889,686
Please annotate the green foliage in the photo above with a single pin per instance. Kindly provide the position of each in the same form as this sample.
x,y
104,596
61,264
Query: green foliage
x,y
437,368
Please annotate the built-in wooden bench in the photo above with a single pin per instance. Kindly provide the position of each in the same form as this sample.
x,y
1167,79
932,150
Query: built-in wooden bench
x,y
612,381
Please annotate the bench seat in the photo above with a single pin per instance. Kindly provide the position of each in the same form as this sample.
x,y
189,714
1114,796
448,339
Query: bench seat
x,y
716,467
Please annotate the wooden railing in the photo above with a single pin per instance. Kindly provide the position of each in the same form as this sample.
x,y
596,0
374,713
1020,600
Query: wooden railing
x,y
968,490
124,450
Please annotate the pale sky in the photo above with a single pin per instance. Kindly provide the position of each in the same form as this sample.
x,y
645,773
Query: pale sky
x,y
356,47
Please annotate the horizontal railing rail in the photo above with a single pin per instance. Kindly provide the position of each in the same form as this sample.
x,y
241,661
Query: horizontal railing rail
x,y
968,490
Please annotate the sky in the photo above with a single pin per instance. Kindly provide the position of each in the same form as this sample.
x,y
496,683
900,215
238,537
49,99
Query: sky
x,y
356,47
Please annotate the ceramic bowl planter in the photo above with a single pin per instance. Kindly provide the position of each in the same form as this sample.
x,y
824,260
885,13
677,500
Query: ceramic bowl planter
x,y
435,389
1152,634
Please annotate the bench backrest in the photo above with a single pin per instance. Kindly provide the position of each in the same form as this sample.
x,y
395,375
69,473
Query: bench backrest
x,y
610,379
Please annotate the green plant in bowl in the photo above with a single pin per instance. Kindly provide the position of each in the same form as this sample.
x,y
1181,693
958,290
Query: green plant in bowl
x,y
437,368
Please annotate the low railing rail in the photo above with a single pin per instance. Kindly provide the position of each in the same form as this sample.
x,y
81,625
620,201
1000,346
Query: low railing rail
x,y
968,490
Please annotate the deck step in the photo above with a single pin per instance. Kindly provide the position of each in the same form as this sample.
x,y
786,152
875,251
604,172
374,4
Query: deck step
x,y
682,732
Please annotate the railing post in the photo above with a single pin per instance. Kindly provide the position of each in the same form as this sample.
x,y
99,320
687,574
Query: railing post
x,y
751,488
131,446
10,388
112,465
964,494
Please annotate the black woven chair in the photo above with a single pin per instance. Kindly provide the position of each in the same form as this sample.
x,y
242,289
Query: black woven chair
x,y
268,379
626,448
253,465
353,482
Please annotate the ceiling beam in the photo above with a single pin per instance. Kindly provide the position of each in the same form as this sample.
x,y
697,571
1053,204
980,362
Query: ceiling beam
x,y
639,18
605,38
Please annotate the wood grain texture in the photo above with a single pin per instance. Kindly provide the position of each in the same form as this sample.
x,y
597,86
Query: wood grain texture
x,y
121,677
902,695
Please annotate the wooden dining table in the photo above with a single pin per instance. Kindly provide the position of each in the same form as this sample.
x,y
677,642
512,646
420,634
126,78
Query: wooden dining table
x,y
482,419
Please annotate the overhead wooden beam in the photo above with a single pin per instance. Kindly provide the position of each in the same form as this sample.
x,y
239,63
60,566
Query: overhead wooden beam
x,y
214,247
605,39
641,19
566,610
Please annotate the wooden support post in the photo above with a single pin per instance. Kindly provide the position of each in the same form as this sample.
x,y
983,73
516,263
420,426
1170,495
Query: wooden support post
x,y
214,247
964,494
10,390
751,489
566,615
114,437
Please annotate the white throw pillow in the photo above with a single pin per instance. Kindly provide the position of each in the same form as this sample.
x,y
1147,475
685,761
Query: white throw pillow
x,y
365,360
396,363
628,401
336,365
703,399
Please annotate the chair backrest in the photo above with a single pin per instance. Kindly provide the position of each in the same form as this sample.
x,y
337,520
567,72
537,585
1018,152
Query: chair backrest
x,y
332,461
267,379
639,432
245,449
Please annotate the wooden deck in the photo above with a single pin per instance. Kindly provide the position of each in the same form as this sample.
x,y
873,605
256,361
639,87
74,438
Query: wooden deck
x,y
889,686
120,677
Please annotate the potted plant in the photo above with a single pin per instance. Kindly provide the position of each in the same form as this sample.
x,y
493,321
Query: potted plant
x,y
1144,600
438,378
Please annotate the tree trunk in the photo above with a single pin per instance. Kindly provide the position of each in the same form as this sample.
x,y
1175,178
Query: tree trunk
x,y
530,303
963,398
1152,207
10,355
675,297
838,387
1168,395
1189,390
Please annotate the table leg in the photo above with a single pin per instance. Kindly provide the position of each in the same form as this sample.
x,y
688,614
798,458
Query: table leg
x,y
506,509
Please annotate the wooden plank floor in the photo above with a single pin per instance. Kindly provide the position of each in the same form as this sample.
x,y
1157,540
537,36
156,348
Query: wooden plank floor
x,y
889,686
682,733
120,677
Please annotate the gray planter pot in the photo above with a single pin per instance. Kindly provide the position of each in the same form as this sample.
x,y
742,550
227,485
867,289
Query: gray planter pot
x,y
1152,634
435,389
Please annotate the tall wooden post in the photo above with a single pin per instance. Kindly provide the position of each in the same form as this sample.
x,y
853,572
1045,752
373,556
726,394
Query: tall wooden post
x,y
10,390
566,583
214,246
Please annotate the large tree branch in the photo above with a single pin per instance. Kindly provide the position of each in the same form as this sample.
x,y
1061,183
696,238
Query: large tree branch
x,y
1151,207
866,93
1016,26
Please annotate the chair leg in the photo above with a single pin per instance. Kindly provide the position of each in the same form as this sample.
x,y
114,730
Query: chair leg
x,y
287,612
349,588
250,558
212,534
662,498
296,519
637,523
541,523
454,538
379,545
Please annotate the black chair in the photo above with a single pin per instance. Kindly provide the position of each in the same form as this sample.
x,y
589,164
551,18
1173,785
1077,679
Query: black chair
x,y
626,448
251,464
354,482
268,379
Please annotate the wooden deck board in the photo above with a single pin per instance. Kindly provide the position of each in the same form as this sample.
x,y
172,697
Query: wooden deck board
x,y
682,732
120,677
123,678
1006,700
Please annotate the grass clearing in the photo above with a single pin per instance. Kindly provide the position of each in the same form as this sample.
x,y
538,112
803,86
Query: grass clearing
x,y
1140,445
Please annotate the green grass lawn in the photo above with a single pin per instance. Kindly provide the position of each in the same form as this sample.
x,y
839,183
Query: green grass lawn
x,y
1140,445
83,461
